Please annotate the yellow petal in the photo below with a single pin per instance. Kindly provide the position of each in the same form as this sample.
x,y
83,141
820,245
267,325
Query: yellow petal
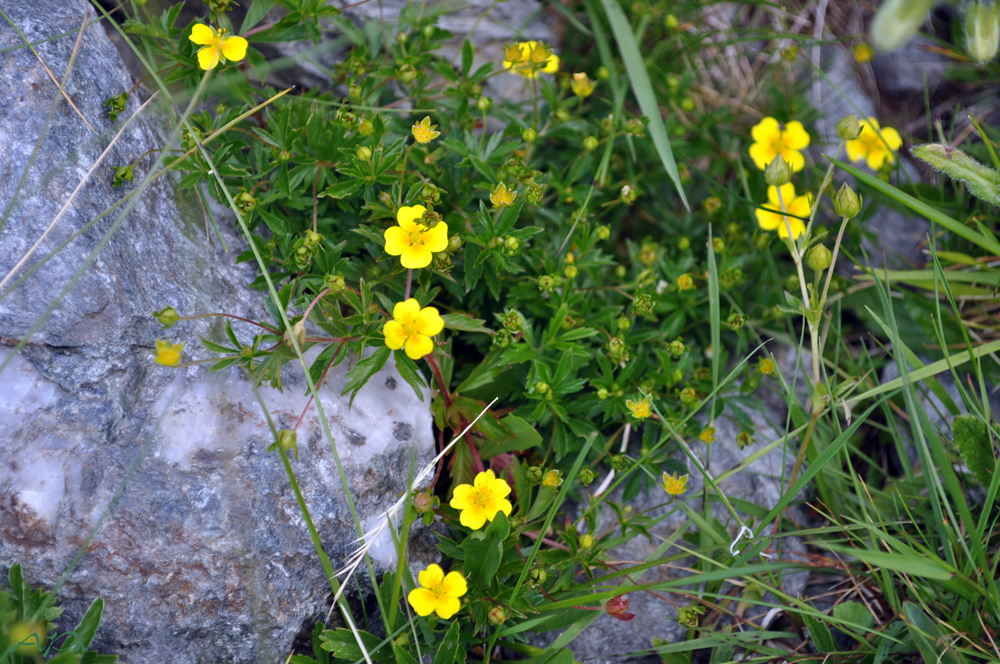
x,y
436,239
552,64
787,195
406,312
766,131
878,156
447,607
473,517
202,34
418,345
407,214
416,257
495,506
484,479
762,154
234,48
423,601
798,228
872,123
794,159
856,149
454,585
795,136
431,577
395,335
768,220
396,241
208,58
429,322
500,488
891,138
464,497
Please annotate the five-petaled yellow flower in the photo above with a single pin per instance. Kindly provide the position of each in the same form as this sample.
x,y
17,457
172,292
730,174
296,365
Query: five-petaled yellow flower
x,y
534,57
413,242
411,328
582,85
438,593
168,354
674,485
480,501
640,409
501,196
215,45
424,131
874,144
770,217
770,140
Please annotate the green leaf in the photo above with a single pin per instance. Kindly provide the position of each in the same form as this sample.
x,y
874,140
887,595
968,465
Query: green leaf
x,y
518,435
972,439
932,643
343,644
342,189
411,374
820,634
84,632
855,613
643,89
484,551
364,369
255,13
465,323
451,649
467,53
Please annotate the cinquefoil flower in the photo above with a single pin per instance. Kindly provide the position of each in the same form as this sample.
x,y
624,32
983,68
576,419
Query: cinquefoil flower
x,y
674,485
168,354
480,501
535,57
424,131
411,328
770,217
217,46
770,140
413,242
438,593
875,145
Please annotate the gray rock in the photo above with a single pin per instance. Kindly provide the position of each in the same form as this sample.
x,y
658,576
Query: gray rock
x,y
199,548
607,639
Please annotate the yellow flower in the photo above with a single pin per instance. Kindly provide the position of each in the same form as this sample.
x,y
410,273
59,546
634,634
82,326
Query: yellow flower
x,y
534,57
770,140
480,501
582,85
424,131
863,53
875,145
766,366
640,409
438,593
413,242
501,196
770,218
552,479
707,435
215,45
412,328
685,282
674,485
168,354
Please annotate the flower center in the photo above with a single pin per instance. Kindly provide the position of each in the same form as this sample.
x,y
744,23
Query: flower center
x,y
482,498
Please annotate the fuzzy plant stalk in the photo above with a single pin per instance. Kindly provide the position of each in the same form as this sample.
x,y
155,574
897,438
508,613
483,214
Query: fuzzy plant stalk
x,y
982,181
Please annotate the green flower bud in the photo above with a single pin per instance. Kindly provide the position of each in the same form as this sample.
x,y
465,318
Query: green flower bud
x,y
898,20
167,317
538,575
406,73
590,143
718,245
116,105
542,387
425,501
778,172
512,321
533,193
846,202
603,232
534,474
735,321
634,127
677,348
366,128
688,396
819,258
562,115
586,476
122,175
848,127
623,323
688,615
570,271
289,441
354,91
497,616
744,439
670,22
618,350
586,541
546,283
602,393
619,463
529,135
483,103
364,153
335,283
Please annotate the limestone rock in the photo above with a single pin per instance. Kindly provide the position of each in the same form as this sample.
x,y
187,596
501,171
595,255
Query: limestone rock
x,y
199,549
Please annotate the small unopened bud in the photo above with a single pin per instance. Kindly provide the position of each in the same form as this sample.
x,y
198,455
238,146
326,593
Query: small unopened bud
x,y
848,127
982,30
538,575
289,441
845,202
571,271
586,476
167,317
898,20
497,616
534,474
590,143
677,348
298,333
819,258
366,128
483,103
423,502
364,153
603,232
529,135
586,541
778,172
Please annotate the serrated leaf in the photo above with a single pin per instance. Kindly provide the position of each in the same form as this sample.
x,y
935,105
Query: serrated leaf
x,y
84,632
465,323
451,649
364,369
343,644
407,368
342,189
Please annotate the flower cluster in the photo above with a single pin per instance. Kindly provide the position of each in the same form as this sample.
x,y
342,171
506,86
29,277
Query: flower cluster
x,y
530,57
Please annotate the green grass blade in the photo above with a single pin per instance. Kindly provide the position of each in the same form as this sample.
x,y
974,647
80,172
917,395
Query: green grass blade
x,y
643,89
